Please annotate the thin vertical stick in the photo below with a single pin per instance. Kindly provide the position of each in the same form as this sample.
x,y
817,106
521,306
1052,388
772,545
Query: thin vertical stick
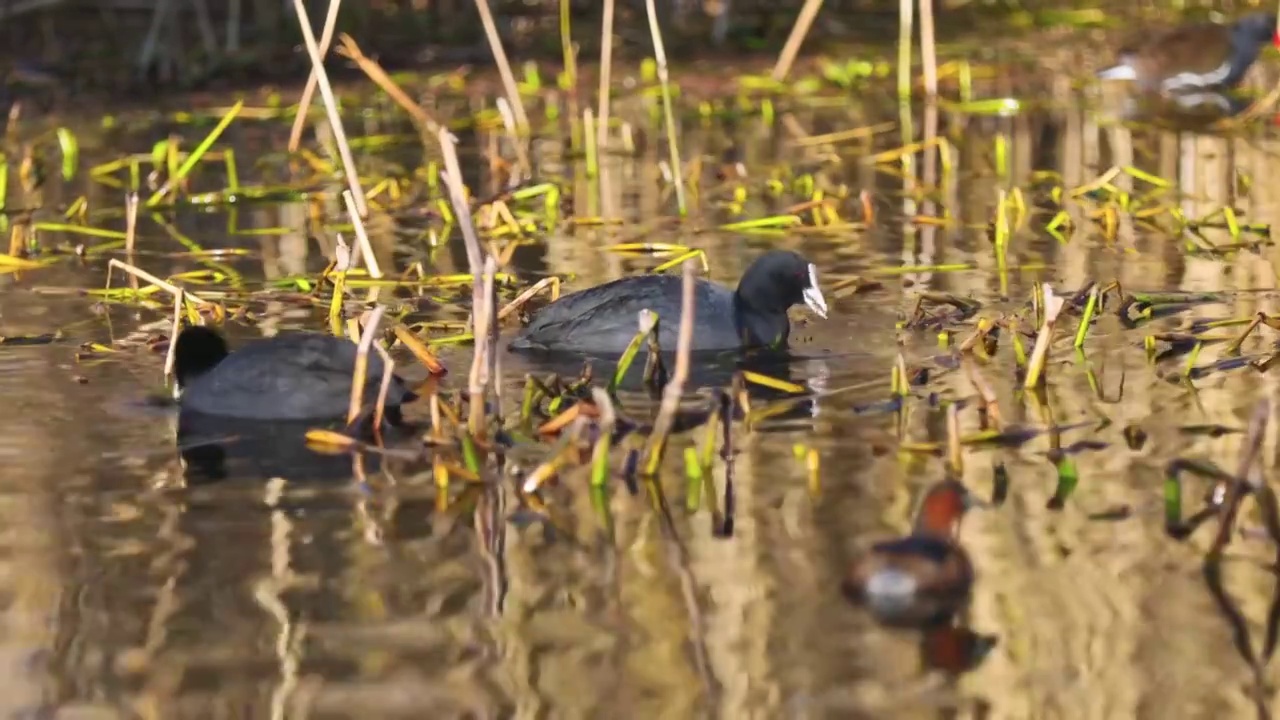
x,y
955,453
602,114
1040,353
361,370
798,32
606,77
131,231
482,319
504,66
388,371
462,211
309,91
178,299
928,49
331,107
675,388
660,56
363,246
905,14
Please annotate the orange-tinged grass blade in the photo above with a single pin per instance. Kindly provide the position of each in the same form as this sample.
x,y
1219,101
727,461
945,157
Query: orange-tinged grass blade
x,y
328,439
420,350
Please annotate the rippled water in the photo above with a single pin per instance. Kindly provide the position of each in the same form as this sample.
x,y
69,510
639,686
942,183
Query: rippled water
x,y
128,594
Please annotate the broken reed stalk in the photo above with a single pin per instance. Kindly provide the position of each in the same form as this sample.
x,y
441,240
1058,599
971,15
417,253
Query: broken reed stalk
x,y
675,388
169,358
144,275
482,320
553,282
664,80
309,91
423,119
1242,483
331,108
504,66
1039,355
361,369
462,212
799,31
363,249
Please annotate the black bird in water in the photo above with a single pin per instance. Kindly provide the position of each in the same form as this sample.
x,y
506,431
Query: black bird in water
x,y
291,376
603,319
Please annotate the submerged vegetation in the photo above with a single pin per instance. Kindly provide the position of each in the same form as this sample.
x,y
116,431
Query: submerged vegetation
x,y
552,164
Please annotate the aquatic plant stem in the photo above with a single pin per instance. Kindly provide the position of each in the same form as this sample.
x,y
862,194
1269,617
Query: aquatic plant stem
x,y
482,321
130,224
1039,354
928,50
194,157
462,212
361,369
144,275
380,408
799,31
552,282
606,422
905,11
1243,481
664,80
955,452
675,388
331,108
504,66
171,355
309,91
349,49
606,78
364,248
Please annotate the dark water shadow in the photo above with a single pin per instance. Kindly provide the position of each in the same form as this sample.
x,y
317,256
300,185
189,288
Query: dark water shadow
x,y
217,449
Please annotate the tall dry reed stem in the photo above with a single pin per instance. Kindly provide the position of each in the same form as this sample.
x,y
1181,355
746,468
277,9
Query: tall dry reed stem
x,y
361,371
331,107
675,387
363,247
799,31
1040,353
928,49
484,321
660,56
309,91
462,212
606,77
504,66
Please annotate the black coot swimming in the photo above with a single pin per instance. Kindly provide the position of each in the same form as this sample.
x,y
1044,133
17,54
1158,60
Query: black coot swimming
x,y
603,319
292,376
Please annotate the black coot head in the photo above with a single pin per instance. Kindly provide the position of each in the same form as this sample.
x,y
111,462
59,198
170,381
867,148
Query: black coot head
x,y
779,279
199,349
1259,28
